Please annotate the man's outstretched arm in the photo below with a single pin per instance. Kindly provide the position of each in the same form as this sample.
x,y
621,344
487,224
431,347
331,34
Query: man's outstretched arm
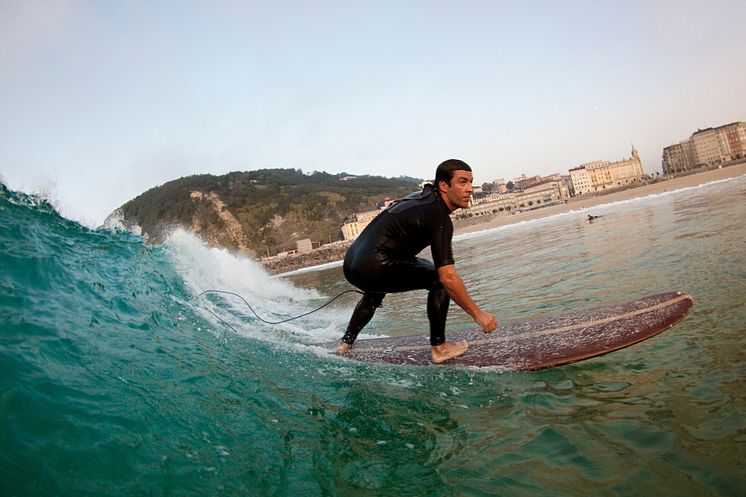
x,y
456,289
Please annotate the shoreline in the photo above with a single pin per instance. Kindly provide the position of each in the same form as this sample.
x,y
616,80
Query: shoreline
x,y
291,265
483,223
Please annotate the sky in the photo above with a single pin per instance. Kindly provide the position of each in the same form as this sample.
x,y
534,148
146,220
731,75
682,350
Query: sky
x,y
103,100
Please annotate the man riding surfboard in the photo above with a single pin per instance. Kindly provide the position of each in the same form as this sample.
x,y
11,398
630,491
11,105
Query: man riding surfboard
x,y
383,259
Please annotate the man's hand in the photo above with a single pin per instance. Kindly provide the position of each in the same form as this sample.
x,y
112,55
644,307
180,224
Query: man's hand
x,y
487,321
454,285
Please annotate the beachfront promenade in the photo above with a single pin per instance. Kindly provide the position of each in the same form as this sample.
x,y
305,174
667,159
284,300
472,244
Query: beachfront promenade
x,y
336,253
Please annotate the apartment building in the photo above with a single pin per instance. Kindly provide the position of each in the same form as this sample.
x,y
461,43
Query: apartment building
x,y
706,148
678,158
604,175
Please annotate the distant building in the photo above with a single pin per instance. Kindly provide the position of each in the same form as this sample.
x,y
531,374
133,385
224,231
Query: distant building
x,y
554,189
519,182
532,181
604,175
581,180
304,246
706,148
543,192
735,140
678,158
499,186
352,228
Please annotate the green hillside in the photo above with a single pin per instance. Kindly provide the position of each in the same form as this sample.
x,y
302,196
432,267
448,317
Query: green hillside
x,y
263,211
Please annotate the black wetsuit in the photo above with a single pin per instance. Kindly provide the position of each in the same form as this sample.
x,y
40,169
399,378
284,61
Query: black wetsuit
x,y
384,259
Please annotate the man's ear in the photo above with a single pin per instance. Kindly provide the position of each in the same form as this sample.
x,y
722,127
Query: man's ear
x,y
442,187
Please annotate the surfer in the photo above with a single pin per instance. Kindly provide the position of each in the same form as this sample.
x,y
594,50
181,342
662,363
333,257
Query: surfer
x,y
383,259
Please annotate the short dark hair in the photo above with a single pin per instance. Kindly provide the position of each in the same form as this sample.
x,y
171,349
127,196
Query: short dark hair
x,y
446,168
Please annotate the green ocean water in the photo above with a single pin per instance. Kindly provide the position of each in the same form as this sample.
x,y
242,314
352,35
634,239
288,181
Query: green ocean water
x,y
115,379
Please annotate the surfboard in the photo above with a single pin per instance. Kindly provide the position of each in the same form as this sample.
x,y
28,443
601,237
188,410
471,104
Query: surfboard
x,y
540,343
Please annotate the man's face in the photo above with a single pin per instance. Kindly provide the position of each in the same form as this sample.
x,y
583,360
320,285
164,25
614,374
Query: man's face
x,y
458,192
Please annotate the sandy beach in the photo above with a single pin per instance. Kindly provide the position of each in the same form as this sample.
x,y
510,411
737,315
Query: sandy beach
x,y
589,201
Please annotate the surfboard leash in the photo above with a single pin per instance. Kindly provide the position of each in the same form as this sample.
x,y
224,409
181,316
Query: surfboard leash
x,y
226,292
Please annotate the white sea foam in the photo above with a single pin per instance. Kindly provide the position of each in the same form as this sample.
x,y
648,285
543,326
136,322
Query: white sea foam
x,y
115,222
205,267
273,299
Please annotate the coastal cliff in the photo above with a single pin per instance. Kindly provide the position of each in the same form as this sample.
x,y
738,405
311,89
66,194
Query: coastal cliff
x,y
260,213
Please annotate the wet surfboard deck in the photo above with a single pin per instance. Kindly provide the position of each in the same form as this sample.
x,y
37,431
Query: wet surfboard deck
x,y
541,343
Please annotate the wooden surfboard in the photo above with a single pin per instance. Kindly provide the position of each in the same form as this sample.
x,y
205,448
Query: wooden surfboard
x,y
541,343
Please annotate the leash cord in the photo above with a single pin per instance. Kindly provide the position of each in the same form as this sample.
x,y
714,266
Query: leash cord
x,y
225,292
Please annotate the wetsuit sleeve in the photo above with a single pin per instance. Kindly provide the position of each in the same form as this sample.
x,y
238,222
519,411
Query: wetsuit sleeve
x,y
441,248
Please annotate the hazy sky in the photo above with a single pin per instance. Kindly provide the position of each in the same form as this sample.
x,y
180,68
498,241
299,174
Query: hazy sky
x,y
102,100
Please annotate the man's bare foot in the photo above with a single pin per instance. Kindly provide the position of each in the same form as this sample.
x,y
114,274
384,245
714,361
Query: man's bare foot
x,y
343,348
445,351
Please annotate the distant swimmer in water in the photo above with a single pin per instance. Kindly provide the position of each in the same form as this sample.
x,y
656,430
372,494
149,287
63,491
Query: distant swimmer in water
x,y
591,218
